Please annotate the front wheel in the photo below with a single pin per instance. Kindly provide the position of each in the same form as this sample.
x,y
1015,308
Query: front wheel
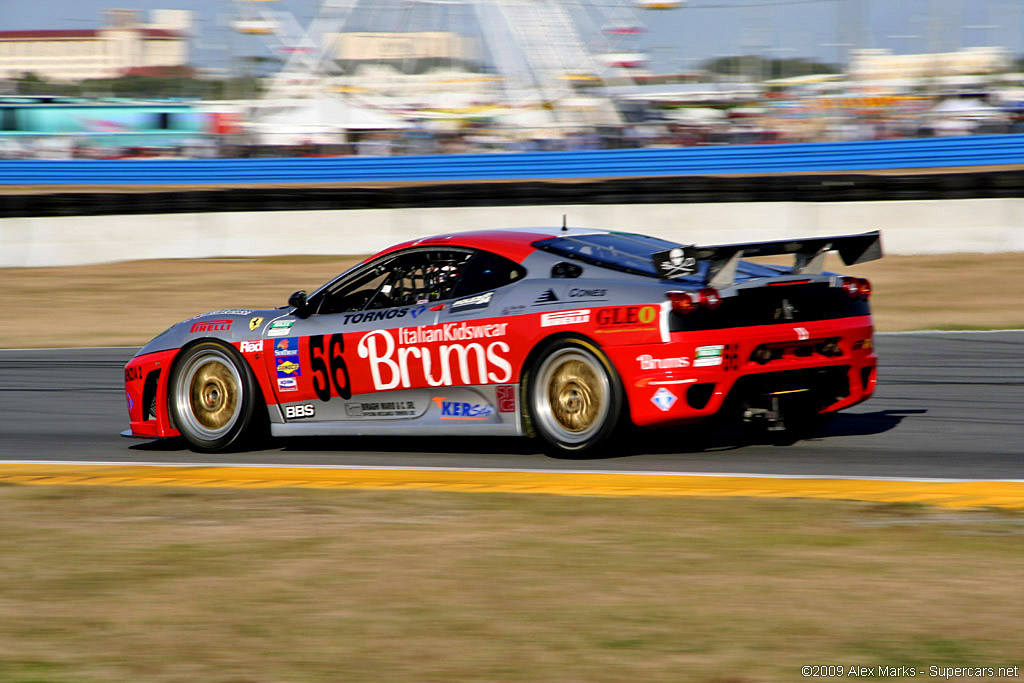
x,y
575,398
212,397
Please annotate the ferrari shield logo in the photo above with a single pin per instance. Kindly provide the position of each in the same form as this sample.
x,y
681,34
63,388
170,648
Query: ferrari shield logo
x,y
255,322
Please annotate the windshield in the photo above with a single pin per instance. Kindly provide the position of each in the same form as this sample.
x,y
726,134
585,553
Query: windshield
x,y
616,250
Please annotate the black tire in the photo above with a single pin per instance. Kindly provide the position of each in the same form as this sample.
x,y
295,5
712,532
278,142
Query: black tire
x,y
574,399
213,397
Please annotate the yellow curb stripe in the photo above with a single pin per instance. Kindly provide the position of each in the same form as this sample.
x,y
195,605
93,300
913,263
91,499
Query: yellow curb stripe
x,y
1003,494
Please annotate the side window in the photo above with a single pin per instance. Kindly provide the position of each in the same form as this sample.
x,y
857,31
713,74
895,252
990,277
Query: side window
x,y
486,271
356,293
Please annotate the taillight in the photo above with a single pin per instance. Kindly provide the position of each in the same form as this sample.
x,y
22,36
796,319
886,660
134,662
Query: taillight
x,y
686,302
709,298
682,302
857,288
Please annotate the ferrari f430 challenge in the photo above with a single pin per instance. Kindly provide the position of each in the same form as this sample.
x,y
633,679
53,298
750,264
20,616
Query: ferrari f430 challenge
x,y
564,334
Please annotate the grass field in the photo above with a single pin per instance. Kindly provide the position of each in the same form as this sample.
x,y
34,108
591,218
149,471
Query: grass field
x,y
128,303
122,584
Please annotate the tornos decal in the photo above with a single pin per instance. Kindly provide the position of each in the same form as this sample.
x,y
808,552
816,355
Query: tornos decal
x,y
663,399
327,361
565,318
255,322
649,362
280,328
299,411
252,346
506,394
375,316
708,355
459,410
627,319
381,409
400,358
211,326
473,302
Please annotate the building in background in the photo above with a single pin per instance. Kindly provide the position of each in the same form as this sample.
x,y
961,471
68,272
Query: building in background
x,y
125,45
881,65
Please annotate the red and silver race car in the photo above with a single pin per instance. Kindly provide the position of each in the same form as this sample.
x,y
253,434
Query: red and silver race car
x,y
566,334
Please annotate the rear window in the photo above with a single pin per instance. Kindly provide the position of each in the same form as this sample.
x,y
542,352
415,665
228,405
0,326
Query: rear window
x,y
616,250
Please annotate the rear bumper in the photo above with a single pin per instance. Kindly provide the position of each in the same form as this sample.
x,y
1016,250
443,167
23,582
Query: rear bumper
x,y
692,376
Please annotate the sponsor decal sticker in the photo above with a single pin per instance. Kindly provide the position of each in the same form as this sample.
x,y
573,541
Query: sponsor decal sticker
x,y
513,310
547,297
627,319
418,311
708,355
397,356
252,346
211,326
255,322
459,410
649,362
300,411
579,292
663,399
133,373
506,394
280,328
565,318
473,302
131,403
287,384
678,262
287,359
226,311
802,333
376,316
381,409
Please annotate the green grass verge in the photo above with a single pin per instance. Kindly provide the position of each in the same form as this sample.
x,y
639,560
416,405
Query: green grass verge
x,y
117,584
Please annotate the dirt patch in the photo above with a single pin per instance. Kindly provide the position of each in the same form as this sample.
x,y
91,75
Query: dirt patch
x,y
129,303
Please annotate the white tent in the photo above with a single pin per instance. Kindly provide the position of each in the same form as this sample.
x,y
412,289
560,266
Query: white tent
x,y
320,120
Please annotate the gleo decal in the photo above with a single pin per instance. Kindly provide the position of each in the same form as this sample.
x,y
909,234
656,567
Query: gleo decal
x,y
459,410
255,322
626,319
663,399
708,355
280,328
252,346
401,359
506,394
299,411
649,362
211,326
472,303
565,318
287,384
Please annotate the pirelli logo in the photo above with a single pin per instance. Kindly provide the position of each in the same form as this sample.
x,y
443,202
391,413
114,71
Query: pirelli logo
x,y
565,318
211,326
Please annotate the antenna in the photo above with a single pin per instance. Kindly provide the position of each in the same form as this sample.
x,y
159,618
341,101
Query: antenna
x,y
564,229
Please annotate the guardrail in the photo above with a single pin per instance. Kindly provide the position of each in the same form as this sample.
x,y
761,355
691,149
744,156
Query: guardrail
x,y
921,153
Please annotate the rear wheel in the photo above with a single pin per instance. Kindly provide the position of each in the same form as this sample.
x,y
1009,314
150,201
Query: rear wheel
x,y
575,398
212,397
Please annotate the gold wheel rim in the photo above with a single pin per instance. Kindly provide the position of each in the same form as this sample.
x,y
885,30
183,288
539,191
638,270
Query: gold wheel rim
x,y
213,395
573,396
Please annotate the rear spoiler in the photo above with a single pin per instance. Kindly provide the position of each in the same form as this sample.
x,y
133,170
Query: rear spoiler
x,y
724,258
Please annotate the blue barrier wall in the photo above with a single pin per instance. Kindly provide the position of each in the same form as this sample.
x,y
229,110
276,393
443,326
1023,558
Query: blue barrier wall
x,y
984,150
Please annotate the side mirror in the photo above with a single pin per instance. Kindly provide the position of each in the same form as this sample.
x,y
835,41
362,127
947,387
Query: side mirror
x,y
298,301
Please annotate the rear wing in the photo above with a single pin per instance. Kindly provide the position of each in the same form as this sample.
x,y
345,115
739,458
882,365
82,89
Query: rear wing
x,y
724,258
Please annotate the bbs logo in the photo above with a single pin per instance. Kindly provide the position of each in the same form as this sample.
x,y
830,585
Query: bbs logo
x,y
296,412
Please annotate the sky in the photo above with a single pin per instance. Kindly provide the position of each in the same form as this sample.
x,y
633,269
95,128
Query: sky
x,y
676,39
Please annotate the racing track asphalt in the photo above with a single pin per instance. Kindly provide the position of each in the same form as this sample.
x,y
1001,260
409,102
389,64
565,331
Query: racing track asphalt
x,y
948,405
